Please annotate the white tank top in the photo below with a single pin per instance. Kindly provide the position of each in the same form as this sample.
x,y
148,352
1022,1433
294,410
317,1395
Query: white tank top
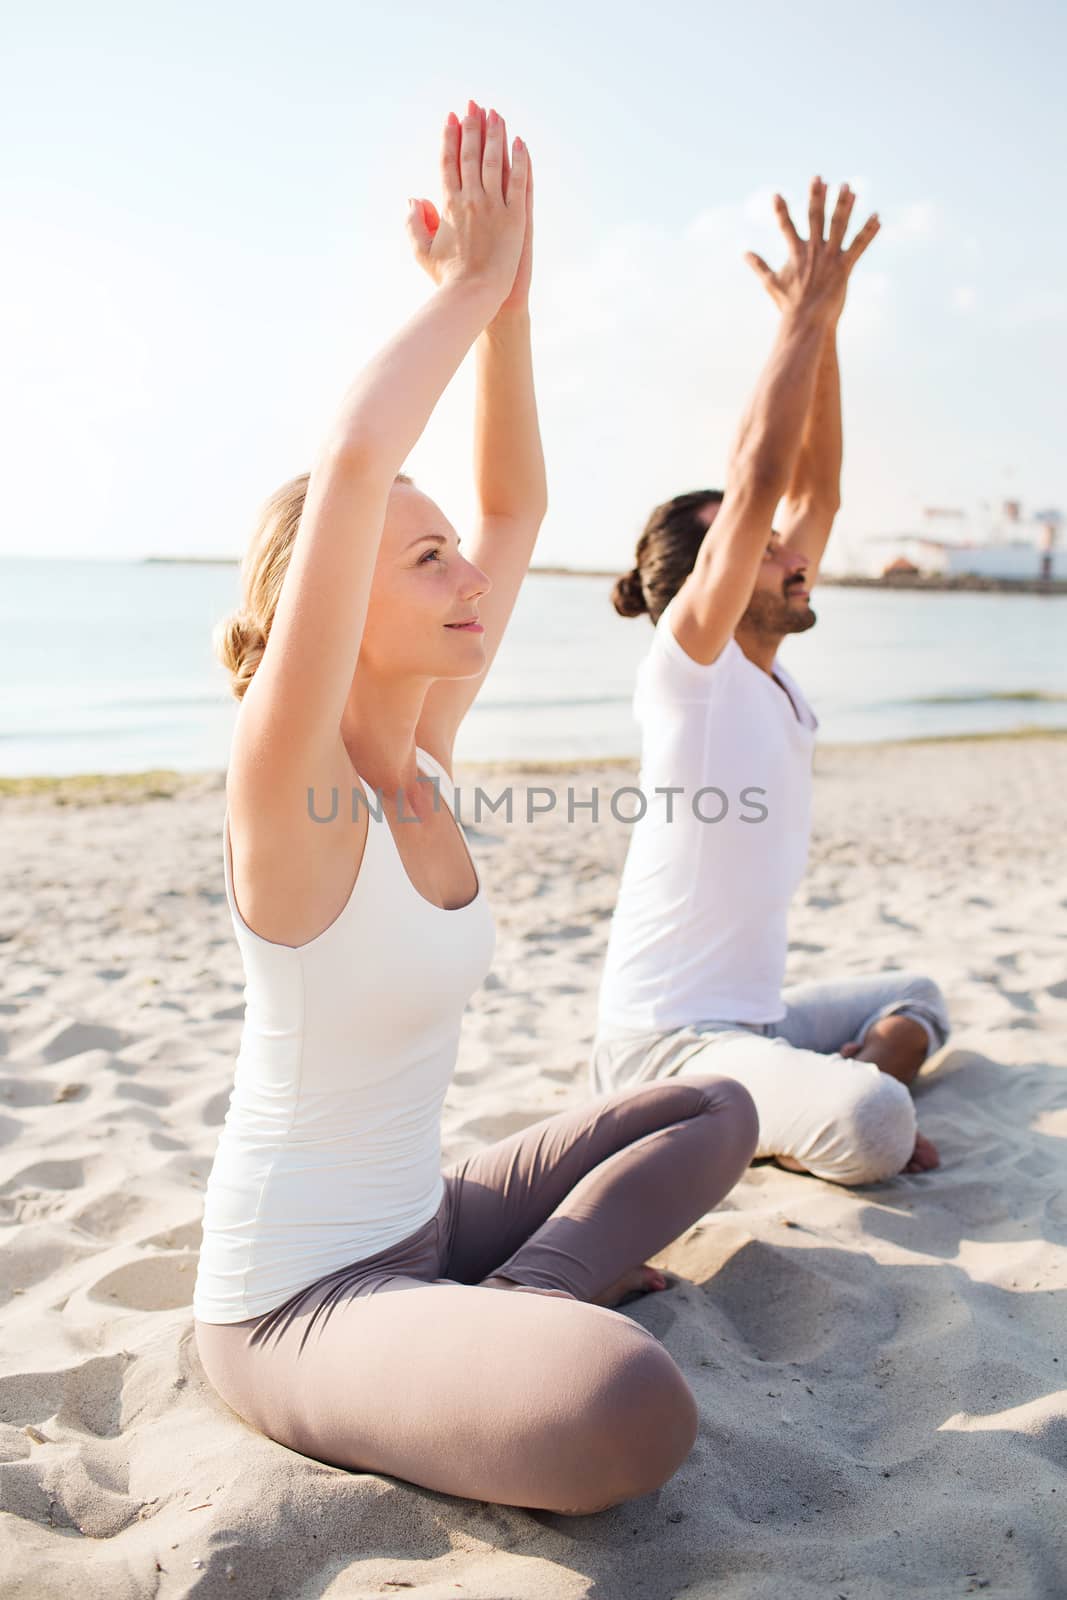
x,y
699,931
331,1146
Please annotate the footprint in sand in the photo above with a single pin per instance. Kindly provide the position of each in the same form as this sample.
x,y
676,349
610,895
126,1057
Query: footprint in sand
x,y
183,1236
85,1397
157,1283
47,1175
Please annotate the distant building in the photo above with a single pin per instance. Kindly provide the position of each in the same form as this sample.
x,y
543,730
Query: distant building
x,y
1013,549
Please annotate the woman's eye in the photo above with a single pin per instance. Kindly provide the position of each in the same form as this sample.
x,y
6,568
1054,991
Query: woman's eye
x,y
428,554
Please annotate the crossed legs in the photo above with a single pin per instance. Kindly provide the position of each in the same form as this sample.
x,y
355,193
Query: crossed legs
x,y
538,1400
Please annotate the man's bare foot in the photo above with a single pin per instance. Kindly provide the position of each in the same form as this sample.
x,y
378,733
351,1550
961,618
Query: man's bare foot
x,y
897,1045
789,1164
924,1156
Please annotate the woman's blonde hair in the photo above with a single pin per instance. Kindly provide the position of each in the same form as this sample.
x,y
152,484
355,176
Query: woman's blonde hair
x,y
240,639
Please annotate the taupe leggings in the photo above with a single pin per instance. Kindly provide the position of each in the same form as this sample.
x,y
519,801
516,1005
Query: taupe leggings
x,y
402,1363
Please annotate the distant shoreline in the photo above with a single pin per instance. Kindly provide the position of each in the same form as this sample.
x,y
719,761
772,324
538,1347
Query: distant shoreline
x,y
97,788
935,583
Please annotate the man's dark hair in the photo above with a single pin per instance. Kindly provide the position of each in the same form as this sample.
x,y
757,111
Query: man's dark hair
x,y
666,554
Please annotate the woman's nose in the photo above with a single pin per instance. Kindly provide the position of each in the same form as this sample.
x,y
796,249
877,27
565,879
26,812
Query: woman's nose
x,y
478,582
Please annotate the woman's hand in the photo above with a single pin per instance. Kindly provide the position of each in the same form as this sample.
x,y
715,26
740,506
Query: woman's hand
x,y
480,233
817,269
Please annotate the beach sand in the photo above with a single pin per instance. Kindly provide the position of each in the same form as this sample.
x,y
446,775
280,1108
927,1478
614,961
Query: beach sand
x,y
881,1373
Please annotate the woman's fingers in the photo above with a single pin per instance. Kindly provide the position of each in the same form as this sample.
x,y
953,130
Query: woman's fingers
x,y
862,240
470,152
506,175
450,157
520,173
493,158
785,222
816,210
839,221
421,237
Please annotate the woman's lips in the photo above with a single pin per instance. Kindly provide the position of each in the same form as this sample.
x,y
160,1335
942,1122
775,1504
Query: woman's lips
x,y
466,627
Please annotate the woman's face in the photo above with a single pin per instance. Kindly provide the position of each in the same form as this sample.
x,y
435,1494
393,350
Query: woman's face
x,y
422,587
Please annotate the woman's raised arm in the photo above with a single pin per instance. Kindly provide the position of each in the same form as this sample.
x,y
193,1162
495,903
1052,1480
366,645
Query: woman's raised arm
x,y
509,466
293,709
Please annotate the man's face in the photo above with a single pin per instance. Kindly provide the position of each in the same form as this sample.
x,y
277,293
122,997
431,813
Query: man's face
x,y
779,603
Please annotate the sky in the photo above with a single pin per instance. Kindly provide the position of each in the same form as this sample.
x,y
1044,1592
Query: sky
x,y
204,211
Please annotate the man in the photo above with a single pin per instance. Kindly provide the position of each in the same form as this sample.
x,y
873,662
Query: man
x,y
697,946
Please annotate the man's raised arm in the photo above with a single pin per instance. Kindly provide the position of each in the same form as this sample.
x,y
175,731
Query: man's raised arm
x,y
809,289
813,497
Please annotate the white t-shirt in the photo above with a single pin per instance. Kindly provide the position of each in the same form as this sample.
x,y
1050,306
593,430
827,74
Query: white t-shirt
x,y
699,928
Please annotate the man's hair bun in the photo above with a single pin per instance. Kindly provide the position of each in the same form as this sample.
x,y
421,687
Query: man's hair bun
x,y
628,597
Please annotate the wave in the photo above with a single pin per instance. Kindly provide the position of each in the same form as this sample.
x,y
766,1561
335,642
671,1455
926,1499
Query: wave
x,y
966,698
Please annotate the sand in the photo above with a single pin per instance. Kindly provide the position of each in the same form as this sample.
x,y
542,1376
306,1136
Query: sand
x,y
881,1373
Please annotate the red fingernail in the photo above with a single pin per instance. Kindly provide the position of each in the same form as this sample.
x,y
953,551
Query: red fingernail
x,y
519,144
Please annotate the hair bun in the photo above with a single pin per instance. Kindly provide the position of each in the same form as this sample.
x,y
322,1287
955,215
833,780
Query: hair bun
x,y
628,597
239,644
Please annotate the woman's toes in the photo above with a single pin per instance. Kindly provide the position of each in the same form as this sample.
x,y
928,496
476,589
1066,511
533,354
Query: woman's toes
x,y
640,1280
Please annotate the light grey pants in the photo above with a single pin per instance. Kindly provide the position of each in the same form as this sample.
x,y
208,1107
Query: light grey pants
x,y
841,1119
404,1363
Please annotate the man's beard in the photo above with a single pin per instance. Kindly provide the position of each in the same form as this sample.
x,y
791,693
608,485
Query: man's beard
x,y
772,615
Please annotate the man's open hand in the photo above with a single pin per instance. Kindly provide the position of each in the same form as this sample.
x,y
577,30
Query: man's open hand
x,y
817,269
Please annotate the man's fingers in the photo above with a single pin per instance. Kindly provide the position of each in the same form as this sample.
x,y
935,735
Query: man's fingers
x,y
785,222
470,152
816,210
862,240
839,221
450,156
760,268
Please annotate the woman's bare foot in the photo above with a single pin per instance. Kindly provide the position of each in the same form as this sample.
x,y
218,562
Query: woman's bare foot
x,y
640,1280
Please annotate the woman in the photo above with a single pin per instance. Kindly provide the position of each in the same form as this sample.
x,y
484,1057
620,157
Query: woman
x,y
353,1301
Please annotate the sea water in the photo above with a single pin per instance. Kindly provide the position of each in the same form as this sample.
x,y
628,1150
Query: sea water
x,y
106,666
